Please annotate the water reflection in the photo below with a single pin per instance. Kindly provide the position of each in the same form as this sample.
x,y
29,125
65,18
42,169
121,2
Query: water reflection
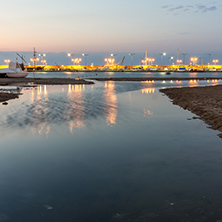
x,y
75,101
111,101
39,110
148,90
147,113
193,83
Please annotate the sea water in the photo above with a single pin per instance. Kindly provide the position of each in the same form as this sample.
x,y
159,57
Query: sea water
x,y
107,152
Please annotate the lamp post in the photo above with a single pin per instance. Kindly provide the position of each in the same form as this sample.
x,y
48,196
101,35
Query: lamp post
x,y
34,60
215,61
114,55
184,55
131,54
7,61
77,60
170,60
162,54
42,56
70,55
85,55
209,54
194,60
179,61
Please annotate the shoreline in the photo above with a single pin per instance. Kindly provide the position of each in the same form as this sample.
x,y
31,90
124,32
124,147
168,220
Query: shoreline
x,y
43,81
205,102
139,79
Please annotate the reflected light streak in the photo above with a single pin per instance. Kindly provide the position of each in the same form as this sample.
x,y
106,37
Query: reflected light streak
x,y
193,83
111,101
148,91
75,119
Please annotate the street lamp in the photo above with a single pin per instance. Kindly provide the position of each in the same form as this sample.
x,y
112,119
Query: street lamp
x,y
70,55
162,54
215,61
85,55
34,60
7,61
184,55
131,54
42,55
179,61
194,60
209,54
170,60
77,60
43,62
150,61
114,55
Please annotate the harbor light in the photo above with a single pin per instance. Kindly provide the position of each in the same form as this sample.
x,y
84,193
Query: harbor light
x,y
34,60
114,55
85,55
131,54
215,61
7,61
179,61
162,54
194,60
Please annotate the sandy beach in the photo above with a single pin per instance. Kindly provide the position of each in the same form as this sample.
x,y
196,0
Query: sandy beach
x,y
206,102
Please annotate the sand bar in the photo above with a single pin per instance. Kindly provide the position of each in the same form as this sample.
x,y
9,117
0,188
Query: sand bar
x,y
206,102
43,81
139,79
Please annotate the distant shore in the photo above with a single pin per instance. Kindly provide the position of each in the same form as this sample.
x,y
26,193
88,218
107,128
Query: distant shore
x,y
206,102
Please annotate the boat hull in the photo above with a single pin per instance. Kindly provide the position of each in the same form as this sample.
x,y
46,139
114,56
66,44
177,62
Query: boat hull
x,y
17,75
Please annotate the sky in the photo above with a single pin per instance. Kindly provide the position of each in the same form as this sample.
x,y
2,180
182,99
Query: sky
x,y
117,26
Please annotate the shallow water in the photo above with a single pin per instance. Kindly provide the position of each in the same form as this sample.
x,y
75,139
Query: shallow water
x,y
107,152
123,74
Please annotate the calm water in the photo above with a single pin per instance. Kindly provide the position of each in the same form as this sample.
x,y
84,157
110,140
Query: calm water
x,y
109,152
122,74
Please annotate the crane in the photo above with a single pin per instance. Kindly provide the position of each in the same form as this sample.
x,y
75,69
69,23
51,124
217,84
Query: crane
x,y
121,62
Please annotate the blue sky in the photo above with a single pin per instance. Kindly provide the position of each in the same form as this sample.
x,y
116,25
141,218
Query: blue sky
x,y
102,26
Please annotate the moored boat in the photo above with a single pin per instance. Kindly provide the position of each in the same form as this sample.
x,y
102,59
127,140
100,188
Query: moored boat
x,y
14,71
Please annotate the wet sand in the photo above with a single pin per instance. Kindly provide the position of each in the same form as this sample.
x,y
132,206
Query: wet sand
x,y
131,79
4,96
206,102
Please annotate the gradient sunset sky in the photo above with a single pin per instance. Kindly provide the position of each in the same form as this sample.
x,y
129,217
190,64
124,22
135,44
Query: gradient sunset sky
x,y
117,25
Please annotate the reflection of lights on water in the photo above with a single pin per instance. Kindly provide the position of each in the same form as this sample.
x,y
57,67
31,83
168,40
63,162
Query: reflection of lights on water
x,y
75,88
148,81
193,82
147,113
148,90
77,124
111,101
109,84
42,89
75,121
